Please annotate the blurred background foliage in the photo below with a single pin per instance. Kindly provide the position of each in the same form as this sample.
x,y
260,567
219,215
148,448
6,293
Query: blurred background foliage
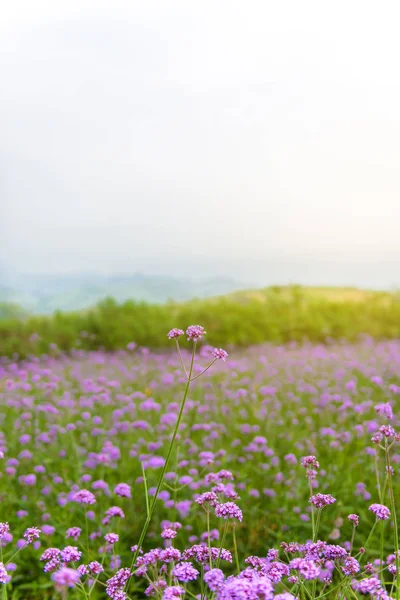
x,y
275,314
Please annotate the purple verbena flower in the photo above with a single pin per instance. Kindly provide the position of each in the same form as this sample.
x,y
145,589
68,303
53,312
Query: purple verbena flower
x,y
220,354
123,490
175,333
84,497
385,410
83,570
32,534
173,592
115,511
201,553
4,576
229,510
116,584
350,566
207,498
70,554
73,532
368,585
309,462
185,572
111,538
50,554
168,533
95,567
246,587
4,530
170,555
308,569
322,500
214,578
380,511
66,577
355,519
387,431
195,333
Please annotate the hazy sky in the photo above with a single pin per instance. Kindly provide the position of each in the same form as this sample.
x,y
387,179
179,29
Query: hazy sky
x,y
259,139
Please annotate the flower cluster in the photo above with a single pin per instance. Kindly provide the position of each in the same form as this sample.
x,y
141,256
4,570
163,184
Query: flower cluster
x,y
380,511
84,497
175,333
229,510
311,466
322,500
195,333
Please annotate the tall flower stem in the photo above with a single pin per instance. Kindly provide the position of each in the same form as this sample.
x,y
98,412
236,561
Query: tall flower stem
x,y
181,359
164,469
382,541
4,592
204,370
209,538
236,549
393,508
352,539
87,535
222,542
369,536
312,511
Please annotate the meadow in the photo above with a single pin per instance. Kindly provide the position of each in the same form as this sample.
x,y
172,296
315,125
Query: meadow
x,y
268,473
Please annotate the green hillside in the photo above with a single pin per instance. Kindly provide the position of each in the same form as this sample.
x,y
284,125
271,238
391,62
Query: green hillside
x,y
332,294
10,311
276,314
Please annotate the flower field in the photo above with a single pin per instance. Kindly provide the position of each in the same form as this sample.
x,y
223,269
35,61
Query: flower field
x,y
271,472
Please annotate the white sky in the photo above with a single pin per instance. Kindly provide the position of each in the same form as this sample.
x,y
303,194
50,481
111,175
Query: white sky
x,y
202,136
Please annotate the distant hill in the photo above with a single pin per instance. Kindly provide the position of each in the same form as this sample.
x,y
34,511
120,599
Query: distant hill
x,y
44,294
12,311
307,293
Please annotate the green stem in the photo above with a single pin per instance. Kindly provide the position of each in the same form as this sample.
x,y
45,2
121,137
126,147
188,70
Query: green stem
x,y
209,538
305,590
339,585
191,594
235,549
175,488
369,536
4,591
145,491
164,469
80,584
312,512
91,588
378,479
180,356
15,554
318,521
222,543
204,370
352,539
87,535
394,516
